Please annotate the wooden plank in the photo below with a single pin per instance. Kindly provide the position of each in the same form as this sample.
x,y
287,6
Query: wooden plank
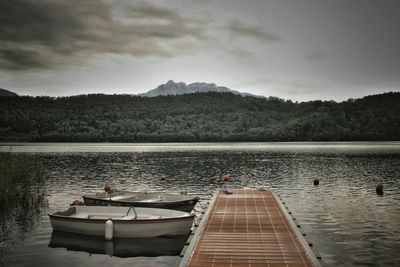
x,y
248,228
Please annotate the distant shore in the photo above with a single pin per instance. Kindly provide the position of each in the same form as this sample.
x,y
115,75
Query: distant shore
x,y
15,147
198,117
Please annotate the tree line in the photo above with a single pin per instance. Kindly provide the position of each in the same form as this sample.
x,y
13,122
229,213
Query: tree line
x,y
198,117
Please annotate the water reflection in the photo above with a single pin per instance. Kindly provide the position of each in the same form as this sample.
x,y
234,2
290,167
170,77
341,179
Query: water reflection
x,y
119,247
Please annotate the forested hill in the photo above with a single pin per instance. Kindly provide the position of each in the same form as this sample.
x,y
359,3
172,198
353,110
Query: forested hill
x,y
197,117
4,92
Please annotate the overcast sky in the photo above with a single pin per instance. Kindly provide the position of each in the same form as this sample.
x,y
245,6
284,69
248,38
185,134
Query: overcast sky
x,y
294,49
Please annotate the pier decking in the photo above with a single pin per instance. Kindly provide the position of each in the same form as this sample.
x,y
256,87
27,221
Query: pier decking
x,y
247,228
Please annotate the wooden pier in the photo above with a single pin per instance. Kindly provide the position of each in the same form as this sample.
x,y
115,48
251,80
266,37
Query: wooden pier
x,y
247,228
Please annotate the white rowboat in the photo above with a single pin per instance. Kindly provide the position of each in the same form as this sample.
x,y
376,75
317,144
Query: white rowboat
x,y
122,221
160,200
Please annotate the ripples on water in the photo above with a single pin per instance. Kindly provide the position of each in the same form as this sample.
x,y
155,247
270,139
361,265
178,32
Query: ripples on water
x,y
343,217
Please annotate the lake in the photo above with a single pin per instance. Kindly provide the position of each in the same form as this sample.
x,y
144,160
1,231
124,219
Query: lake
x,y
348,223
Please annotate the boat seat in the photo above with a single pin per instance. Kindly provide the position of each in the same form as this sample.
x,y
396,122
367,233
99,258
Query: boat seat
x,y
80,215
149,217
129,217
151,200
154,217
122,197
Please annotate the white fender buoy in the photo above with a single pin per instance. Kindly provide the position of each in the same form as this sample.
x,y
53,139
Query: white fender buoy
x,y
109,230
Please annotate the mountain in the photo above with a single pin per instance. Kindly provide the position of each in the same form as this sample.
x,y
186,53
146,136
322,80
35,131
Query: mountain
x,y
4,92
181,88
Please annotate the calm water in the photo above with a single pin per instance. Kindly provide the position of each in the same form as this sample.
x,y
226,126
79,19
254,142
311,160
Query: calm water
x,y
343,217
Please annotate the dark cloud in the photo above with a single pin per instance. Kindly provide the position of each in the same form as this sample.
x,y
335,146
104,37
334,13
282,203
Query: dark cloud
x,y
147,11
16,59
161,22
242,55
239,29
44,34
316,55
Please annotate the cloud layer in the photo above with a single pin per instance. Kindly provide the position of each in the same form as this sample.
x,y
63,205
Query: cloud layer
x,y
334,49
239,29
46,34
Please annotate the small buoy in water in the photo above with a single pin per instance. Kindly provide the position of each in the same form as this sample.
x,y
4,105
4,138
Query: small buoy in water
x,y
77,202
379,189
163,178
226,178
316,181
109,230
107,188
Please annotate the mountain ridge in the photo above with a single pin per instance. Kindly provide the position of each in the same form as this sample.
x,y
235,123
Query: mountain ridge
x,y
4,92
180,88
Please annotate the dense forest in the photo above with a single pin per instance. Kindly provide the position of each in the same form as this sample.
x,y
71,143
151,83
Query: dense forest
x,y
197,117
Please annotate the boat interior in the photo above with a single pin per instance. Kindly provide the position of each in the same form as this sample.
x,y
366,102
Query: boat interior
x,y
118,213
140,196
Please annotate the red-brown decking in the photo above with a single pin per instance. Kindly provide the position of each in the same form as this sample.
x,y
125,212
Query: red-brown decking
x,y
247,228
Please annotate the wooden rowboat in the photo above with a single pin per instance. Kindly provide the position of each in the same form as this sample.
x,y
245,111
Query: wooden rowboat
x,y
122,221
159,200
